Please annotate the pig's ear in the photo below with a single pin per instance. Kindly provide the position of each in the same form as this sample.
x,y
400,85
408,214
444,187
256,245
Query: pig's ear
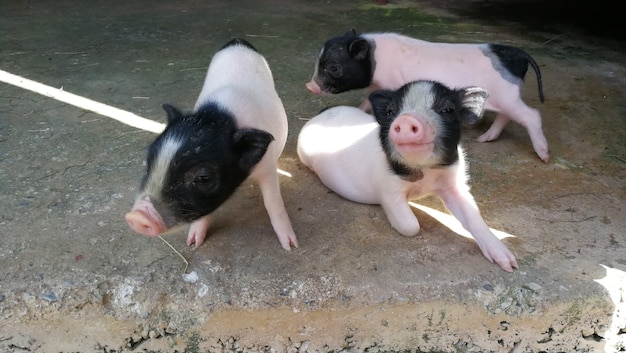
x,y
351,32
472,104
251,144
359,49
172,112
383,105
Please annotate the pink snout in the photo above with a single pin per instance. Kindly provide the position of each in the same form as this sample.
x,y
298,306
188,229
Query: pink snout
x,y
313,87
406,129
143,223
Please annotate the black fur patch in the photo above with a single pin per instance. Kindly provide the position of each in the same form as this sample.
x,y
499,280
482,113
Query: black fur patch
x,y
346,63
513,59
516,62
214,158
238,41
449,108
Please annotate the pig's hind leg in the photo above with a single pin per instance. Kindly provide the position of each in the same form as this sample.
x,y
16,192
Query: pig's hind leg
x,y
197,231
531,120
273,201
525,116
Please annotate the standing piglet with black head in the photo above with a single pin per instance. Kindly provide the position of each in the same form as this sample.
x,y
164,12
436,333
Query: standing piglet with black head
x,y
389,60
236,132
409,150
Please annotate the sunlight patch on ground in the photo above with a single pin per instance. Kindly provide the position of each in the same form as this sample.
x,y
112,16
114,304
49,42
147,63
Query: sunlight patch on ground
x,y
453,224
615,283
120,115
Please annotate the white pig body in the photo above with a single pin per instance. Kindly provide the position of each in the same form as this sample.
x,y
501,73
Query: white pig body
x,y
236,132
352,163
249,93
416,59
409,150
247,89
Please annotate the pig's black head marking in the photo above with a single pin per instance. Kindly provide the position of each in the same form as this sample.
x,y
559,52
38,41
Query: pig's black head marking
x,y
345,63
251,144
447,109
172,112
204,177
199,161
385,106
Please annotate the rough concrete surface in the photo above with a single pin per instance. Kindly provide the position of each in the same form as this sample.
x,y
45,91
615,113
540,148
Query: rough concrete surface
x,y
74,278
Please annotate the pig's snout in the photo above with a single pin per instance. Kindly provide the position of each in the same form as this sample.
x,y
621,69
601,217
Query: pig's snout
x,y
142,223
313,87
405,129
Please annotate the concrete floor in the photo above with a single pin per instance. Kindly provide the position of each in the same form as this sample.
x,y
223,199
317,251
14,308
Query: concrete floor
x,y
73,277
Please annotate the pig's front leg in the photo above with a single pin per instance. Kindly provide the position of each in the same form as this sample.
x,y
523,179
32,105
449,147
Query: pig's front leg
x,y
273,201
495,129
401,216
462,205
197,231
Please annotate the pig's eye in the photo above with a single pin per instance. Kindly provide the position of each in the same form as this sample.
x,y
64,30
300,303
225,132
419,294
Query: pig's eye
x,y
446,111
204,178
446,107
391,110
335,70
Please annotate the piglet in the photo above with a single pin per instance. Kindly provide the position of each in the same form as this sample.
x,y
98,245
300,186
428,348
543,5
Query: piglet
x,y
389,60
409,150
236,132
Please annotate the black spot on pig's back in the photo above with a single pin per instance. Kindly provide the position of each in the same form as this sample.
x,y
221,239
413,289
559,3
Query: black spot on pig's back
x,y
513,60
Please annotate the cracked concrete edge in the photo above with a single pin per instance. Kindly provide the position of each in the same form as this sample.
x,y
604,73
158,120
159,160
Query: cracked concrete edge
x,y
435,326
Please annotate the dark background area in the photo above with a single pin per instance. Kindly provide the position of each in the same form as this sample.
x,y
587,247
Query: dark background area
x,y
598,18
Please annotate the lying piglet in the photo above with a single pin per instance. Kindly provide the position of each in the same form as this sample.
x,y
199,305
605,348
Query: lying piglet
x,y
236,132
408,151
388,61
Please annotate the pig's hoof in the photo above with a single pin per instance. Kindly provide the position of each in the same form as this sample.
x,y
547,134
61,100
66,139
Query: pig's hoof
x,y
288,242
498,253
488,136
507,262
197,232
508,266
542,152
409,231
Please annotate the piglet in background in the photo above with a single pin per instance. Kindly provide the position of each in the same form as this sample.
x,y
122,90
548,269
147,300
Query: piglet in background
x,y
236,132
389,60
409,150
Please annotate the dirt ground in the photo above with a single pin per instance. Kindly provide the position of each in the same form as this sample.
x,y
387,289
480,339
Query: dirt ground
x,y
74,278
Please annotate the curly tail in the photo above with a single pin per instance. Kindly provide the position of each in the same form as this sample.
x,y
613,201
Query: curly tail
x,y
535,67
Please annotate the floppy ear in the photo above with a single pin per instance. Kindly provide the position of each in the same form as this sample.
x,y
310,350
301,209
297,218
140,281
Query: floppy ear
x,y
251,144
472,104
383,105
172,112
359,49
